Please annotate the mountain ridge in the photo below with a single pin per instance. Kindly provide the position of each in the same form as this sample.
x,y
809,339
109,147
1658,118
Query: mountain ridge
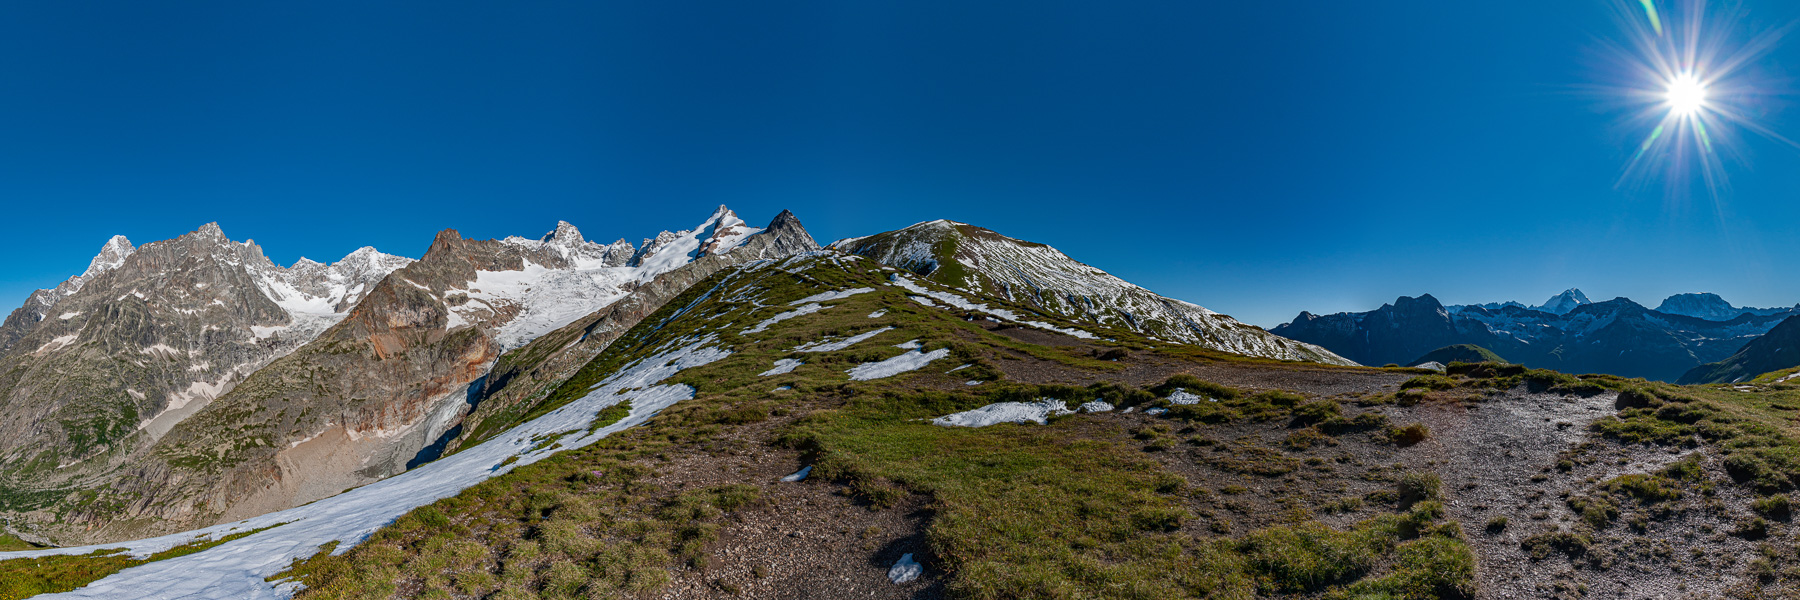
x,y
1615,336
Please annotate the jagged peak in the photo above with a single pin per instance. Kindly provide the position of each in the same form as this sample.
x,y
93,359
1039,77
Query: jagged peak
x,y
210,230
723,217
112,254
565,234
444,241
1564,302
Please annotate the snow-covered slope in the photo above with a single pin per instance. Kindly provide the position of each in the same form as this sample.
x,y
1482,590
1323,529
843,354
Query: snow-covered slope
x,y
544,298
987,263
317,296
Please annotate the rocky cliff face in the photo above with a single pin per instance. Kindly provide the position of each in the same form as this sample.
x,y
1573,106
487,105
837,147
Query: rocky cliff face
x,y
318,377
1036,275
106,364
37,307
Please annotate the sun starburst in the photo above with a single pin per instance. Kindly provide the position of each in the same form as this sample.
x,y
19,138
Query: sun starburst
x,y
1691,87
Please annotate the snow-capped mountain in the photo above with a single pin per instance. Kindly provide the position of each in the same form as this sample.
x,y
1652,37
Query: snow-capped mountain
x,y
1711,307
271,386
987,263
1561,304
548,293
37,306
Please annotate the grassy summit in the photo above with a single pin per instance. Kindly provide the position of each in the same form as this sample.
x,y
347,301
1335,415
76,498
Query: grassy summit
x,y
1465,353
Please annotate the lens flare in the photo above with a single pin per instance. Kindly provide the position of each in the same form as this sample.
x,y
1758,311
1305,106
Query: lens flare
x,y
1689,85
1686,95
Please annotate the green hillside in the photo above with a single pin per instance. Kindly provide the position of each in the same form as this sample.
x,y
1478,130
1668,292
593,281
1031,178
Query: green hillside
x,y
1464,353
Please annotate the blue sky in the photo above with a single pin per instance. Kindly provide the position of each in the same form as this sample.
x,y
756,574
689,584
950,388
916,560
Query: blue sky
x,y
1258,158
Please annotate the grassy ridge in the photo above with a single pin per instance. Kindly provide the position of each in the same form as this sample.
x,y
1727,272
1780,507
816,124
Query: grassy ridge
x,y
1063,510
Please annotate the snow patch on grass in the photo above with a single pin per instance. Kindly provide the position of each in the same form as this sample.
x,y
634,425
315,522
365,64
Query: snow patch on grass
x,y
829,296
1182,396
836,345
783,366
910,361
1006,412
804,310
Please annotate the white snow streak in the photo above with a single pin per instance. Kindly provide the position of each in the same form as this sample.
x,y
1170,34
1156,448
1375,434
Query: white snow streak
x,y
799,475
965,304
1006,412
836,345
783,366
804,310
910,361
829,296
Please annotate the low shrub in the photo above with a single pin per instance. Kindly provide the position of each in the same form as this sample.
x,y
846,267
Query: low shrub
x,y
1409,435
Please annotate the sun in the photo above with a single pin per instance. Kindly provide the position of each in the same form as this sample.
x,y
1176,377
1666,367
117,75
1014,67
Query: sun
x,y
1689,76
1686,95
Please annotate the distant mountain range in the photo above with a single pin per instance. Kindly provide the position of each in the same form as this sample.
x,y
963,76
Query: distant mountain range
x,y
1567,332
1774,351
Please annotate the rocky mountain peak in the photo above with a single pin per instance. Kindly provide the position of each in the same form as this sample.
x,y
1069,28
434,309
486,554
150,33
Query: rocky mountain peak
x,y
209,230
111,255
1424,302
448,240
565,234
1704,305
1561,304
